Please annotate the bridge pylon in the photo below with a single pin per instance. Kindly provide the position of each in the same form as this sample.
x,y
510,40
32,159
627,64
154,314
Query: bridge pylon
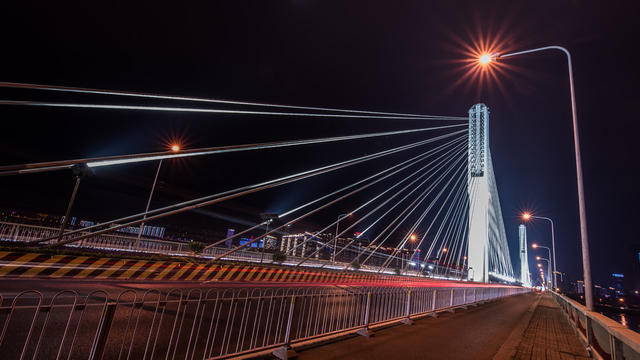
x,y
525,276
479,194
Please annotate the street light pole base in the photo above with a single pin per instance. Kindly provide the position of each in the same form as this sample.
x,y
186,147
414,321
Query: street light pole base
x,y
285,353
407,321
366,332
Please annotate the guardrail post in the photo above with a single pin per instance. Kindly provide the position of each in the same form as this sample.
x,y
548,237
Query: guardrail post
x,y
451,301
16,230
433,303
100,340
407,320
616,348
475,297
589,329
286,352
366,332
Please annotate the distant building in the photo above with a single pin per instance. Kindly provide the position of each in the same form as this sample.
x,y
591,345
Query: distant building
x,y
618,286
304,244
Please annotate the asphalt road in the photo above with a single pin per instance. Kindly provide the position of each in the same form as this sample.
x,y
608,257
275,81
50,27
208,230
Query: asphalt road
x,y
475,333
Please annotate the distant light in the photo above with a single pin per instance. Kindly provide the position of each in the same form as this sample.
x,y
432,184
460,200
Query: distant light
x,y
175,148
422,266
413,237
444,250
430,267
526,216
537,257
534,246
412,263
621,300
485,59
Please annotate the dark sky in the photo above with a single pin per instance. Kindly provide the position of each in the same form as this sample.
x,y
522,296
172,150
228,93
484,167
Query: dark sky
x,y
400,56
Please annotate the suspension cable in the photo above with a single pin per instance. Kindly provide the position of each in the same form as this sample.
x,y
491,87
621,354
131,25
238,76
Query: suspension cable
x,y
94,91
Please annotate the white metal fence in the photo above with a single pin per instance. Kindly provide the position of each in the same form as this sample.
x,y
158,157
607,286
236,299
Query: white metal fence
x,y
205,324
606,338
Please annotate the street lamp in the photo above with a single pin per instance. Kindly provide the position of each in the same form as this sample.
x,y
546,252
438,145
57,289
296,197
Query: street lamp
x,y
527,216
174,148
535,246
586,262
548,267
335,239
267,218
79,171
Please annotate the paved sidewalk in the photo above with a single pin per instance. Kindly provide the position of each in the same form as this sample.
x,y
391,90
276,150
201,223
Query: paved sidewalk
x,y
549,335
475,333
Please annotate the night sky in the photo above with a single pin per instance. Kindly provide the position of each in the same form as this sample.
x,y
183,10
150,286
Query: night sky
x,y
398,56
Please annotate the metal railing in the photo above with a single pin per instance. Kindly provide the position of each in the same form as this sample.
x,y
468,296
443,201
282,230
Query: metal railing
x,y
16,232
208,324
605,338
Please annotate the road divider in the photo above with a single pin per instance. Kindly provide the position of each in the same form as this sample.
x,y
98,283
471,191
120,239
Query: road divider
x,y
34,265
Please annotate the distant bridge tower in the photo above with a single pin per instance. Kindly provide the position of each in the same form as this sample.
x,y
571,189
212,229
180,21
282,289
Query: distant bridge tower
x,y
479,194
525,277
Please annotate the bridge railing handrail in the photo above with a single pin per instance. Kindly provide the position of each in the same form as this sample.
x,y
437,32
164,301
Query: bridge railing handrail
x,y
606,337
211,323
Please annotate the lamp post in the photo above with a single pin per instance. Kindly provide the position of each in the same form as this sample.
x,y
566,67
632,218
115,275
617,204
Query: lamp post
x,y
528,216
335,239
554,283
268,219
485,59
548,268
79,171
174,148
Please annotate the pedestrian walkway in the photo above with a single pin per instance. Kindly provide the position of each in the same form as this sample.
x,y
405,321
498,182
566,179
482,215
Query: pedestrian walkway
x,y
549,335
529,326
474,333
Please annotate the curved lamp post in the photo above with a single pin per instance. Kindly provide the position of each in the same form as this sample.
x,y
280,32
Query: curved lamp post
x,y
486,59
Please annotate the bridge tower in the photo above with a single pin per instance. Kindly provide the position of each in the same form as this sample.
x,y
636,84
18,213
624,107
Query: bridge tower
x,y
479,194
525,276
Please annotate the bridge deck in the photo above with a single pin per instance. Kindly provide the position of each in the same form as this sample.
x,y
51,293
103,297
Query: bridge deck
x,y
521,327
549,335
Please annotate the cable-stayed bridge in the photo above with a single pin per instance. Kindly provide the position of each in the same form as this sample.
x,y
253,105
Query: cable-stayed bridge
x,y
439,208
416,229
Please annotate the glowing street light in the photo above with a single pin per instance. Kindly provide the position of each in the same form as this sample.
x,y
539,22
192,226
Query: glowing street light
x,y
175,148
413,237
584,239
484,59
528,216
